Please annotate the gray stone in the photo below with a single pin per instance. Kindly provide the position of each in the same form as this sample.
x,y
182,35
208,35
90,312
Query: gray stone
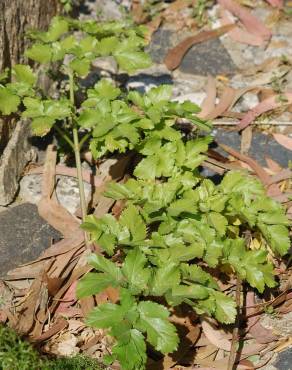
x,y
209,57
66,190
284,361
24,235
16,155
262,145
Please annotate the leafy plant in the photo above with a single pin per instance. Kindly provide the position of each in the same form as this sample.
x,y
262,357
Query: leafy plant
x,y
176,227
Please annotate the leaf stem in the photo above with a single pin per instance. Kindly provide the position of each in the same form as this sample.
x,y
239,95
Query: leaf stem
x,y
76,147
233,349
64,136
83,140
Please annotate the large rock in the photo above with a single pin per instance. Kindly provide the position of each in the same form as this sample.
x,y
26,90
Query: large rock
x,y
24,236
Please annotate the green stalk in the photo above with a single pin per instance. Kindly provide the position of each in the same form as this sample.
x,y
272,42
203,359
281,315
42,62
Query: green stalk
x,y
76,148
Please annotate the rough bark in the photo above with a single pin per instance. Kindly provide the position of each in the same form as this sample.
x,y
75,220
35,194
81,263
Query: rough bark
x,y
16,17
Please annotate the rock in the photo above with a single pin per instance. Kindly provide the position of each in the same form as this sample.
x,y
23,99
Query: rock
x,y
262,145
16,155
66,190
24,235
284,361
209,57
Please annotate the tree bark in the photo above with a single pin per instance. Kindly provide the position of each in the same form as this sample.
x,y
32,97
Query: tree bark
x,y
16,18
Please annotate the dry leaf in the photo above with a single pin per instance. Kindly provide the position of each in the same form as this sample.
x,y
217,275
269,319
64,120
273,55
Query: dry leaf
x,y
284,140
215,336
225,102
208,104
176,54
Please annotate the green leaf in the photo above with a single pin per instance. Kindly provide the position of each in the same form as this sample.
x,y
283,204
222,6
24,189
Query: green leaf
x,y
93,283
165,278
88,118
57,28
24,73
160,94
194,291
107,46
8,102
42,125
105,89
196,274
154,321
135,272
218,221
103,264
40,53
132,220
80,66
130,350
225,311
106,315
277,236
130,61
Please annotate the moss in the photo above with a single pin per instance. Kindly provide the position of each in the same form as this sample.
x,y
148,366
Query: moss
x,y
18,354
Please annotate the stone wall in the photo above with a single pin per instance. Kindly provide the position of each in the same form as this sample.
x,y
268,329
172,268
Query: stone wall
x,y
16,17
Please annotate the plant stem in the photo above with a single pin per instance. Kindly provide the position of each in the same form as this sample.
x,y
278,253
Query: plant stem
x,y
233,349
64,135
83,140
76,148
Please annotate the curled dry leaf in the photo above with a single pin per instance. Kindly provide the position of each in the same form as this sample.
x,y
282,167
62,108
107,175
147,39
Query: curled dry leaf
x,y
284,140
250,22
176,54
217,337
264,106
208,104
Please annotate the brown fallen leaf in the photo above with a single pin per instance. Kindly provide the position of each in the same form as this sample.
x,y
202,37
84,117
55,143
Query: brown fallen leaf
x,y
276,3
176,54
261,173
246,138
225,102
273,165
250,22
283,140
48,208
58,326
216,336
239,34
208,104
264,106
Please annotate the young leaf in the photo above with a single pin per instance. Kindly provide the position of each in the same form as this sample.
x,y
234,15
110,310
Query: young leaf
x,y
154,321
135,272
24,73
93,283
40,53
9,102
130,61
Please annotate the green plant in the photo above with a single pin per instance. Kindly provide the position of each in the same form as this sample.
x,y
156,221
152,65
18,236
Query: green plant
x,y
176,227
61,43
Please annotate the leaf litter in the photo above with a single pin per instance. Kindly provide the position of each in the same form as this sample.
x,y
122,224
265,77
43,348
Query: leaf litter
x,y
40,299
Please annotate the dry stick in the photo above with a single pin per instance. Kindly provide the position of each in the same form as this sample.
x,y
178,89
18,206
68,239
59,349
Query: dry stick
x,y
233,350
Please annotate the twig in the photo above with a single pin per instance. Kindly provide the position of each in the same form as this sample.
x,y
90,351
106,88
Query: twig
x,y
233,350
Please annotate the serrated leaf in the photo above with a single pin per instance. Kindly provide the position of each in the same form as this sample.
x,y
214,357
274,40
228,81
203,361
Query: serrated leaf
x,y
107,46
135,272
218,221
23,73
105,89
40,53
160,94
154,321
93,283
164,278
103,264
88,118
9,102
194,291
130,61
130,350
80,66
277,236
196,274
42,125
132,220
106,316
225,311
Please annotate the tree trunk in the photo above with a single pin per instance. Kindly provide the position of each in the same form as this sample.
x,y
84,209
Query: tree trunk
x,y
17,17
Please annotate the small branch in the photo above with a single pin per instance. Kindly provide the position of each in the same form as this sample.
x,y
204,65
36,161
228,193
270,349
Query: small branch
x,y
233,350
64,135
83,140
